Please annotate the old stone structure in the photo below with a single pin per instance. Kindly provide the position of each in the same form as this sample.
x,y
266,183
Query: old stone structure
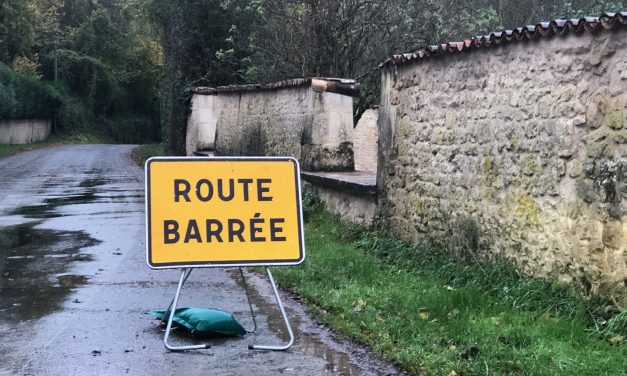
x,y
310,119
365,142
514,145
24,131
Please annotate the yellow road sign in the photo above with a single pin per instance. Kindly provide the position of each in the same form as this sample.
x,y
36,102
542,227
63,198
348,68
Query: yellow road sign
x,y
223,212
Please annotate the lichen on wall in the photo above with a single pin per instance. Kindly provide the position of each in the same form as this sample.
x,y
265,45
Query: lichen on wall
x,y
528,142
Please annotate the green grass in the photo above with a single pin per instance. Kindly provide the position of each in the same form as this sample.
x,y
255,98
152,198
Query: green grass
x,y
62,138
79,138
423,310
141,154
6,150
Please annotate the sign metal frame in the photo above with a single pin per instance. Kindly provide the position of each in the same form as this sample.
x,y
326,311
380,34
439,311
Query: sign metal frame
x,y
187,267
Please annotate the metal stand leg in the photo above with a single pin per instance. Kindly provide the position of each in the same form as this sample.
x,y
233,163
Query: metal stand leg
x,y
287,323
250,304
189,271
184,275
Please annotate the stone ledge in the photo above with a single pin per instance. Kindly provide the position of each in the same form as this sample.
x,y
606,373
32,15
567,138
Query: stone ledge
x,y
355,182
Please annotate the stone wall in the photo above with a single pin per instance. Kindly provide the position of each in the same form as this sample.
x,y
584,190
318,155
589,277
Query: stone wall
x,y
201,123
519,151
351,207
365,142
315,127
24,131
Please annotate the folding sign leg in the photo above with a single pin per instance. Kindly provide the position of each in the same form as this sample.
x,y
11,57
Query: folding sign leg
x,y
287,323
189,271
250,304
184,275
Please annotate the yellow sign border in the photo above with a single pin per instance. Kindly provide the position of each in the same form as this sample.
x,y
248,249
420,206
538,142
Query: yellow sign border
x,y
222,264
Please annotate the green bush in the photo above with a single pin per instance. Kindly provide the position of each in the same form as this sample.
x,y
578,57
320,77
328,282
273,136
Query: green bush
x,y
72,116
7,101
31,98
132,130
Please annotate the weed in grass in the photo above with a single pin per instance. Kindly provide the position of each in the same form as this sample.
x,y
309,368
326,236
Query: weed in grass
x,y
616,328
311,203
464,239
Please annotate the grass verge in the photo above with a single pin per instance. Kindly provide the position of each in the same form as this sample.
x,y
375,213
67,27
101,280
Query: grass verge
x,y
429,313
142,153
62,138
6,150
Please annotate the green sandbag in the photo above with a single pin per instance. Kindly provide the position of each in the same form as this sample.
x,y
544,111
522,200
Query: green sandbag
x,y
203,322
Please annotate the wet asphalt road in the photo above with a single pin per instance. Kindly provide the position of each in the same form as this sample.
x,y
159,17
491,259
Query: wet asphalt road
x,y
75,288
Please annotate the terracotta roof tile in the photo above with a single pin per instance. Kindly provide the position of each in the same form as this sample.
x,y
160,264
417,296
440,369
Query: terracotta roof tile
x,y
606,21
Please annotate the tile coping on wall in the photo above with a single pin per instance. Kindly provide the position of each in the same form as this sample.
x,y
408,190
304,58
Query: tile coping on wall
x,y
606,21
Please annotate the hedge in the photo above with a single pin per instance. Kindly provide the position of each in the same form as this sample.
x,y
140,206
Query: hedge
x,y
25,97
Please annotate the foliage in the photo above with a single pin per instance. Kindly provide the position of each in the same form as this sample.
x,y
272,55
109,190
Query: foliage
x,y
7,101
194,36
27,97
616,327
432,314
28,66
105,67
270,40
331,38
108,56
311,203
142,153
16,29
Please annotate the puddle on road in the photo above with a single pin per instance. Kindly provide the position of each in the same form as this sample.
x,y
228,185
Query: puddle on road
x,y
32,279
47,209
93,182
337,361
34,261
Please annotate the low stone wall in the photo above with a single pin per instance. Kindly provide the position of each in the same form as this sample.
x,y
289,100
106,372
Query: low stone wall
x,y
315,127
351,195
24,131
518,151
351,207
365,142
